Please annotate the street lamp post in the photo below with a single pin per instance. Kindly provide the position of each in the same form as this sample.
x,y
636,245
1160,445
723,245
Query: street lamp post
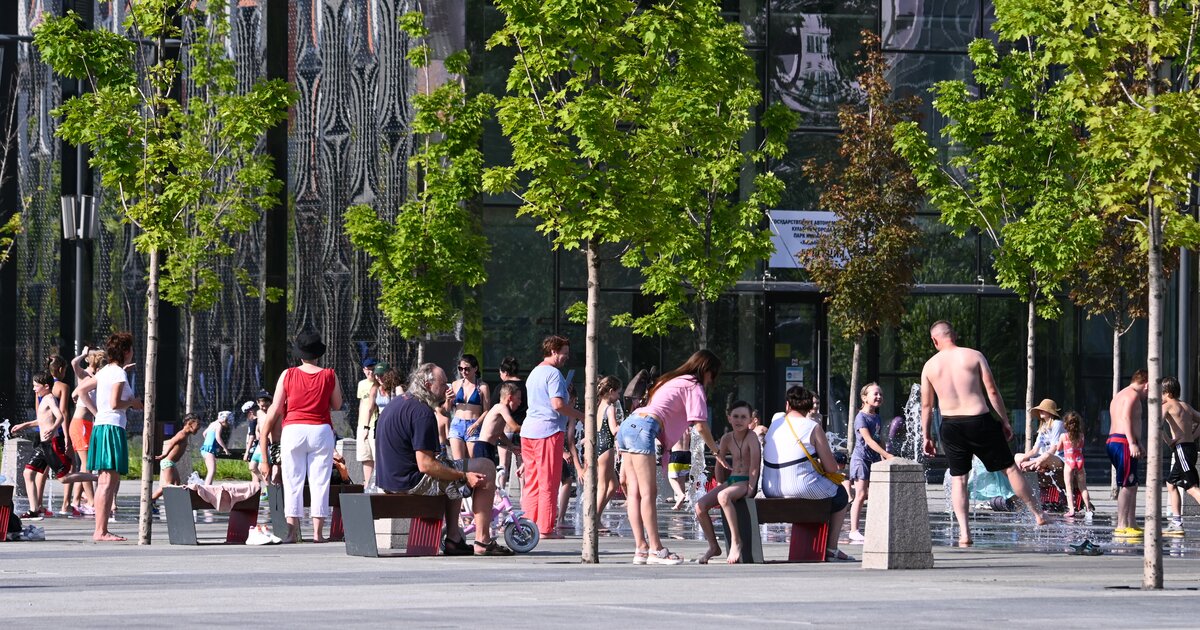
x,y
80,224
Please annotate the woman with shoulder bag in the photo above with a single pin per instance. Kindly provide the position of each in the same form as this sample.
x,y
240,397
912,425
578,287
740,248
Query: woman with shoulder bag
x,y
798,463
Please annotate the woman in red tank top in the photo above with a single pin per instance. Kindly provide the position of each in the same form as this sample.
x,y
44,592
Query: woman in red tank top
x,y
304,396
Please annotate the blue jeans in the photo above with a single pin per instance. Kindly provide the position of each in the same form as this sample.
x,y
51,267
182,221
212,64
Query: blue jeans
x,y
637,435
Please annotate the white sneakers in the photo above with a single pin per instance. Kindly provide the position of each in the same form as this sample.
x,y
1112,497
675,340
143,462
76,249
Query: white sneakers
x,y
260,535
855,537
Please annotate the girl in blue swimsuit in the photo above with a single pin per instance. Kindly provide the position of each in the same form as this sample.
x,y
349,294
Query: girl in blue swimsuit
x,y
214,441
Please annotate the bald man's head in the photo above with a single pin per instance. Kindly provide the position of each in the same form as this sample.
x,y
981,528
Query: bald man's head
x,y
942,329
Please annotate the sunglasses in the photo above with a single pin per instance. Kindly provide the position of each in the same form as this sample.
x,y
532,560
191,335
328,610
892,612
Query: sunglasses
x,y
464,368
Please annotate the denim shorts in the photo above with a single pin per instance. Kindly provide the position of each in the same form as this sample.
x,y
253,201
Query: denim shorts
x,y
637,434
458,429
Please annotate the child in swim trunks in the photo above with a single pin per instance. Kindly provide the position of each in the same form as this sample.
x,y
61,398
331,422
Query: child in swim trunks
x,y
50,454
679,467
493,424
173,449
743,446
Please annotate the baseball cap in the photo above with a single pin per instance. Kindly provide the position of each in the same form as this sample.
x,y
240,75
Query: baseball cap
x,y
381,368
368,362
248,405
225,416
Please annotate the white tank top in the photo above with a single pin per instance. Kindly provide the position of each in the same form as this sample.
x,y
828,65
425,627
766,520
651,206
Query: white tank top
x,y
787,472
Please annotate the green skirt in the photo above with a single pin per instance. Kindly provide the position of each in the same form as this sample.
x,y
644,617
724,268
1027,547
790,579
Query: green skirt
x,y
109,449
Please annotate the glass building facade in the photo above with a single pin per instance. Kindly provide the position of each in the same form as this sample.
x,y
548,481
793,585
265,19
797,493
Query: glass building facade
x,y
347,142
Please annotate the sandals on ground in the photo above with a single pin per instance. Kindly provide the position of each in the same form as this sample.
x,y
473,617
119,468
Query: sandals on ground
x,y
663,556
492,548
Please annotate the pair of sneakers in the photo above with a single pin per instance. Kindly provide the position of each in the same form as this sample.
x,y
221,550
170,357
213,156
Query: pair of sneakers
x,y
663,556
260,535
1174,528
1128,532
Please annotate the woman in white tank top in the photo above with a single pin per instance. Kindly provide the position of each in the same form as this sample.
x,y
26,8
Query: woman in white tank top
x,y
789,472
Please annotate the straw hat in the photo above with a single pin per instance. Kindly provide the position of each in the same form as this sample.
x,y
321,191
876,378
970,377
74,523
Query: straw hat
x,y
1048,406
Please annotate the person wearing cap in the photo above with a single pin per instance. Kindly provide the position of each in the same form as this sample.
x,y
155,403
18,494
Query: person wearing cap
x,y
308,393
368,379
213,441
369,404
1042,456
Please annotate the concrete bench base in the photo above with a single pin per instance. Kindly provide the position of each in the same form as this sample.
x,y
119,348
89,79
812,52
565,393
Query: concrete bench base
x,y
360,511
180,503
810,527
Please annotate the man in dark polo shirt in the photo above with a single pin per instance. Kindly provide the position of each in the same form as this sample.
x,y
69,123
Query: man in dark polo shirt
x,y
406,448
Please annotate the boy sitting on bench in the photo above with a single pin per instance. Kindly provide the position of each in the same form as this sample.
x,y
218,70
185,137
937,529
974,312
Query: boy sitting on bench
x,y
742,482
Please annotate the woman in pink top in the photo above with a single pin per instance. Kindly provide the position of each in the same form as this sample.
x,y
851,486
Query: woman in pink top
x,y
304,396
676,402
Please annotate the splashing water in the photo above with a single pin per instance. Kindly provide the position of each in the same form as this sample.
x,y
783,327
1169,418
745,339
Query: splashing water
x,y
914,437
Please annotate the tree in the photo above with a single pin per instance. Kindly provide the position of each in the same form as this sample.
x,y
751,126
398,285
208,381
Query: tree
x,y
1120,63
168,163
709,237
10,227
1110,284
599,112
865,261
1017,175
434,245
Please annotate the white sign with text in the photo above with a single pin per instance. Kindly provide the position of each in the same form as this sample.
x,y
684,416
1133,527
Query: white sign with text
x,y
793,231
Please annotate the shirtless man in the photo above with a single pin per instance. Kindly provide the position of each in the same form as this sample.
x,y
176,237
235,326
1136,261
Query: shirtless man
x,y
51,453
493,426
1125,446
959,377
1184,425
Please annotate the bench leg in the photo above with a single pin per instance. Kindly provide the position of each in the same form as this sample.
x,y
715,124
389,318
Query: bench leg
x,y
5,514
275,503
181,520
336,532
240,524
359,522
424,537
809,541
750,540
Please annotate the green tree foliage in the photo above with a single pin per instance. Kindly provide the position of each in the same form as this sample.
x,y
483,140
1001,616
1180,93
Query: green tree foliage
x,y
606,99
434,247
864,262
183,170
1016,174
1124,67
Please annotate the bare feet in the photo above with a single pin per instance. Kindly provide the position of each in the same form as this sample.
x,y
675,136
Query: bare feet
x,y
709,555
678,503
965,541
735,555
1040,518
108,537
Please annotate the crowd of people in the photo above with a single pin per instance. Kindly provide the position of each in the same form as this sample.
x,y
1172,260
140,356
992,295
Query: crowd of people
x,y
427,434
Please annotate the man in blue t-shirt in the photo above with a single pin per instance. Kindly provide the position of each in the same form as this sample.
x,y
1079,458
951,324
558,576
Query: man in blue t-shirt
x,y
406,462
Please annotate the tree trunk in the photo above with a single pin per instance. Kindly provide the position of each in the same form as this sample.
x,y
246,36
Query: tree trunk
x,y
189,396
591,520
149,399
1116,387
702,325
1152,560
420,352
854,397
1031,320
1152,569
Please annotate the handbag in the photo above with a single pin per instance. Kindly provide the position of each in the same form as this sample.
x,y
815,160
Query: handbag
x,y
836,477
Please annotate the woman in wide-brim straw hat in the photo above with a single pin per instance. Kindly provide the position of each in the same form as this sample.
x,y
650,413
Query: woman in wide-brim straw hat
x,y
1042,455
304,396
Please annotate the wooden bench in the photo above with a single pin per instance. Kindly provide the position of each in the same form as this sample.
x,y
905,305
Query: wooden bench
x,y
181,502
279,519
6,510
810,527
360,511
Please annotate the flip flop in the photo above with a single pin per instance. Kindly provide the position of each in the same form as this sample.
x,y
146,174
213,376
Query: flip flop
x,y
492,548
837,555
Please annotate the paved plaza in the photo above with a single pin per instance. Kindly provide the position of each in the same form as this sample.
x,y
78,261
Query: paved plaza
x,y
1015,575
